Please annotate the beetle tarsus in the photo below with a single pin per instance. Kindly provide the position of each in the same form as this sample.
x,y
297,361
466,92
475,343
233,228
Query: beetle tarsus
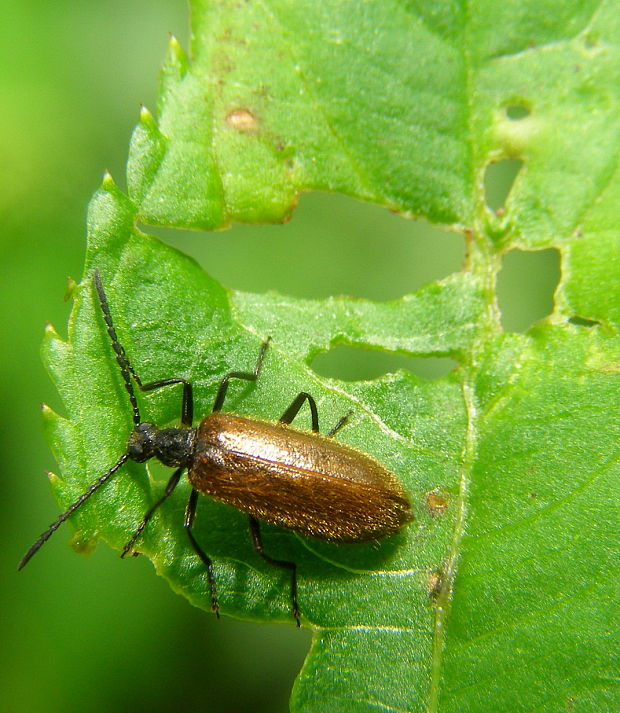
x,y
342,422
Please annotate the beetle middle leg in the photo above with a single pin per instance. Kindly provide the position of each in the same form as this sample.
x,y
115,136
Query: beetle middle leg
x,y
257,542
190,514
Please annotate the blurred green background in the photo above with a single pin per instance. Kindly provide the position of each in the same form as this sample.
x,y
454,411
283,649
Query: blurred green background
x,y
97,633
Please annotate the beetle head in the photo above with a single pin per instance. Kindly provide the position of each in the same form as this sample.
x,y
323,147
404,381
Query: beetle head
x,y
141,445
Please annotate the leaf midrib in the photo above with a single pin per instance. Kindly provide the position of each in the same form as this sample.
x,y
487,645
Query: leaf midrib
x,y
442,605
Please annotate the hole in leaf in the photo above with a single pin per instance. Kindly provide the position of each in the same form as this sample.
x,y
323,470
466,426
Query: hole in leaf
x,y
517,111
525,287
499,178
356,364
333,245
583,321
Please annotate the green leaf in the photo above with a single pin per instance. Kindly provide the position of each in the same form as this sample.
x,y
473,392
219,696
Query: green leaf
x,y
501,595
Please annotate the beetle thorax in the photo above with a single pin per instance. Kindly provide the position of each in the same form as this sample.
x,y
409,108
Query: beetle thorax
x,y
174,447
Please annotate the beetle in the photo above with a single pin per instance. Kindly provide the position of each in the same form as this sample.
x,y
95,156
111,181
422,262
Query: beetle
x,y
300,480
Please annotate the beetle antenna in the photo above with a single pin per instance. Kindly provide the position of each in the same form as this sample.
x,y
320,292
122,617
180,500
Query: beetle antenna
x,y
125,366
44,537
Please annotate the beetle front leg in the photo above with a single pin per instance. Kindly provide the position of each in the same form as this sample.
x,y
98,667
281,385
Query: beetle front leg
x,y
187,405
245,375
172,484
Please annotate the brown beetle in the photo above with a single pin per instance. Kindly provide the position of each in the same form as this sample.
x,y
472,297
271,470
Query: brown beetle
x,y
296,479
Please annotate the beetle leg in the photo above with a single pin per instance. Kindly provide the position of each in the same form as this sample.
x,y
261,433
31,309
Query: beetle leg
x,y
187,405
342,422
190,514
246,375
172,484
257,542
293,410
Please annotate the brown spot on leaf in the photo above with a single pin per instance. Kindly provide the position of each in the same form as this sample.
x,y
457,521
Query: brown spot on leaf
x,y
437,503
242,120
434,584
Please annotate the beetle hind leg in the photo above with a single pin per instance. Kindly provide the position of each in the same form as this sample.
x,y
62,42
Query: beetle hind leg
x,y
341,422
257,542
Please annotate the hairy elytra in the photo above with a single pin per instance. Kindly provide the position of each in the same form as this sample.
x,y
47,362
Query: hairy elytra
x,y
299,480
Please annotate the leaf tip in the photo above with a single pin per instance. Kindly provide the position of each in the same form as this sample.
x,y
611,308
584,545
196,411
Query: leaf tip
x,y
107,183
70,289
174,46
50,331
176,56
146,117
48,413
